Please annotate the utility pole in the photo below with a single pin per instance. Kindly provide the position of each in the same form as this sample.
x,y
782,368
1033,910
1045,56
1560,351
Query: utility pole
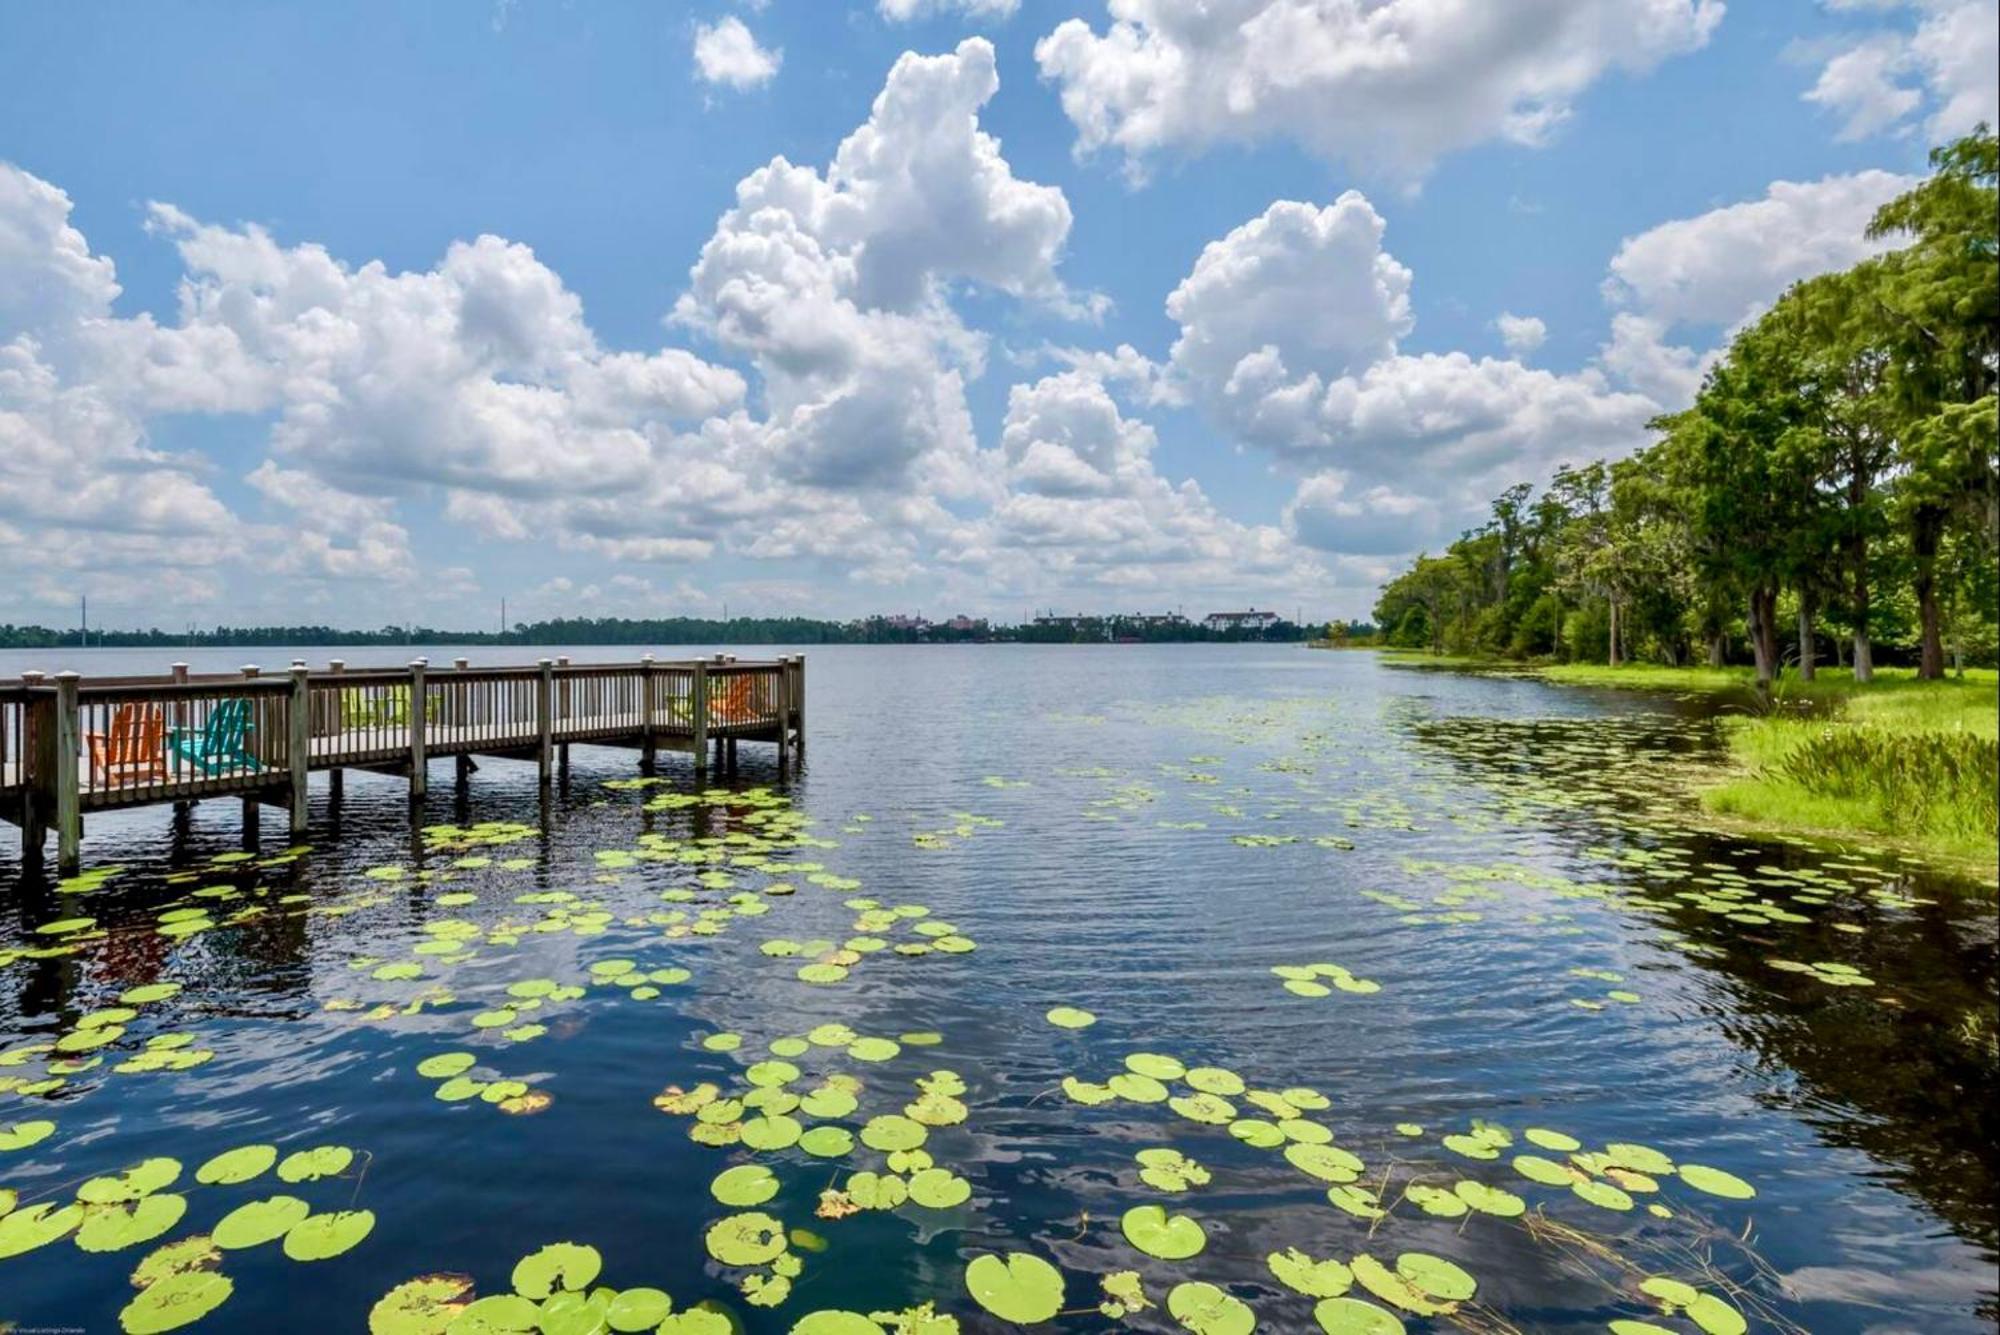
x,y
83,620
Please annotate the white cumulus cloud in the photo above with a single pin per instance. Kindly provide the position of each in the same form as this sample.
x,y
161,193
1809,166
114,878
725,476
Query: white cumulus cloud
x,y
726,52
1389,85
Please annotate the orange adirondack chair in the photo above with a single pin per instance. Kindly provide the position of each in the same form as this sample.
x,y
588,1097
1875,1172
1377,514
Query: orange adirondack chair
x,y
734,705
134,750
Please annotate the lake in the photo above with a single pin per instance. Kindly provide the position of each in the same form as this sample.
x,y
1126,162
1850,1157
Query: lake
x,y
1527,1027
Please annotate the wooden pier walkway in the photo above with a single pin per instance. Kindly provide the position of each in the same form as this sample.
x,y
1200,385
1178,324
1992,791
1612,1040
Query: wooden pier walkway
x,y
70,746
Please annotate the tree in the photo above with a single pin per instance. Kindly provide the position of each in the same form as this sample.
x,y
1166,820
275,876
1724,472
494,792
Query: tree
x,y
1938,303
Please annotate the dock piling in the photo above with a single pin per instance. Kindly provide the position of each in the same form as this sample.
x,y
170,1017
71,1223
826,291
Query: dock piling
x,y
419,763
69,813
298,745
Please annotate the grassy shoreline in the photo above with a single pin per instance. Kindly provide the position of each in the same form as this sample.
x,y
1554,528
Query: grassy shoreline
x,y
1897,761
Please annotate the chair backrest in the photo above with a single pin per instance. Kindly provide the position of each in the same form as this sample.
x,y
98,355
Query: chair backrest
x,y
736,700
134,734
226,727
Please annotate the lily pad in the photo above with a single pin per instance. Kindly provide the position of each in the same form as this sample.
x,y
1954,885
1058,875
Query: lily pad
x,y
560,1266
1351,1316
1315,1279
259,1222
1155,1232
1018,1287
638,1309
744,1185
237,1165
110,1228
323,1236
1716,1182
175,1301
1436,1276
1208,1310
20,1135
425,1305
313,1164
746,1239
1070,1017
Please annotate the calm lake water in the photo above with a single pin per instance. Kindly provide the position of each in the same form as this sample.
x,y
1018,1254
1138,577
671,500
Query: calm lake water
x,y
1139,832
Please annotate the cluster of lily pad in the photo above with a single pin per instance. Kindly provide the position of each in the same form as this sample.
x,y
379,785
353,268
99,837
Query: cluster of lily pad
x,y
553,1289
181,1281
829,961
1303,980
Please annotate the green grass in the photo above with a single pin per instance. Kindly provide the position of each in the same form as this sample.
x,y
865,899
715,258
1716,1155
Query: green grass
x,y
1897,760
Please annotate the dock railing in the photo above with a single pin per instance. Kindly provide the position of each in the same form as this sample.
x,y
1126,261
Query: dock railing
x,y
70,745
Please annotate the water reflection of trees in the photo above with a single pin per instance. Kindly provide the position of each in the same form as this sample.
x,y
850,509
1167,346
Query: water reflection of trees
x,y
1905,1071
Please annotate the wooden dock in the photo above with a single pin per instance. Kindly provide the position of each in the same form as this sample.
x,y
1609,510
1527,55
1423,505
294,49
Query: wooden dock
x,y
70,746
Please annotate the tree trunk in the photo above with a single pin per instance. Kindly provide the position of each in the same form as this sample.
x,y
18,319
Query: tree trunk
x,y
1806,665
1615,659
1718,649
1924,545
1763,618
1864,652
1839,654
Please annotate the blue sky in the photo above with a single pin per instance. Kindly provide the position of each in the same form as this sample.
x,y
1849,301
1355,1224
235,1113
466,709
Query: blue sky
x,y
894,381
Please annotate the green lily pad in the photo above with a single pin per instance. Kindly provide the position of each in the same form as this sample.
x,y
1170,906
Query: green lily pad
x,y
1018,1287
833,1321
1156,1065
1545,1171
1715,1316
1070,1017
772,1132
237,1165
1328,1163
425,1305
1315,1279
1170,1237
939,1189
1439,1278
36,1226
890,1132
746,1239
110,1228
1351,1316
20,1135
1207,1310
322,1236
1716,1182
560,1266
1393,1289
1490,1200
744,1185
446,1064
314,1164
258,1222
827,1142
175,1301
638,1309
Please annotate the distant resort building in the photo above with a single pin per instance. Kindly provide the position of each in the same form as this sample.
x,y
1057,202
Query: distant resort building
x,y
1222,622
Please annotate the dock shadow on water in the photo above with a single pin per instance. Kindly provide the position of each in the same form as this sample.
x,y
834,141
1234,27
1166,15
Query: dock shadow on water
x,y
1158,988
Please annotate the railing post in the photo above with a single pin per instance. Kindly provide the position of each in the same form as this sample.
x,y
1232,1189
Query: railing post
x,y
545,705
799,702
299,745
69,799
336,782
38,764
647,755
784,702
419,777
568,700
700,716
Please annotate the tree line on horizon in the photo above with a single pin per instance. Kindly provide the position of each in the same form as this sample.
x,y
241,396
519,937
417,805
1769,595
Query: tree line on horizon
x,y
619,630
1835,482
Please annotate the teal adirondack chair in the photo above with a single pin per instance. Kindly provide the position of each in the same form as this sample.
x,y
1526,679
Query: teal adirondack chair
x,y
219,745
